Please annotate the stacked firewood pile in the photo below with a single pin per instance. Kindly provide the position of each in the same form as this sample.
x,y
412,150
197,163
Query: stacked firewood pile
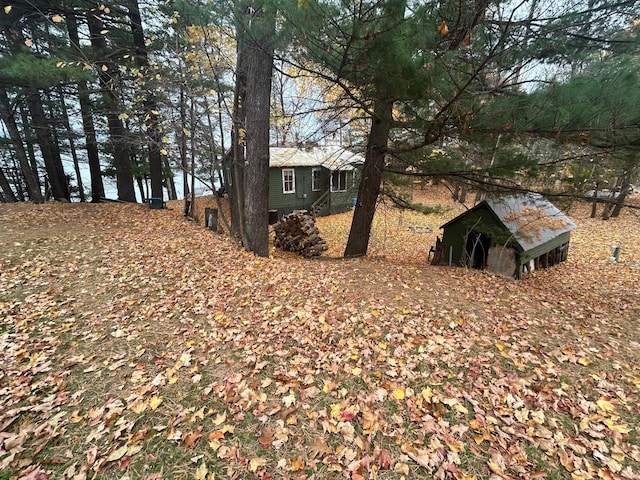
x,y
297,232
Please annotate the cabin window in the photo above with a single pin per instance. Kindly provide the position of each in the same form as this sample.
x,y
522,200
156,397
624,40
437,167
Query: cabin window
x,y
316,179
288,180
339,181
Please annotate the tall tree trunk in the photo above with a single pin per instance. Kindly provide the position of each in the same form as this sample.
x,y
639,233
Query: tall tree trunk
x,y
153,130
30,177
182,148
257,104
121,160
50,155
17,179
141,189
6,193
235,161
369,189
86,111
72,145
93,157
169,181
192,151
30,141
117,132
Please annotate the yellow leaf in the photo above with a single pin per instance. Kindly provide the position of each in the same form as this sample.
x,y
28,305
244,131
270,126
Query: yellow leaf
x,y
256,463
201,471
460,475
186,132
398,393
566,460
455,445
493,466
622,428
220,419
605,405
104,68
479,439
139,406
443,29
155,402
123,116
427,394
584,361
56,19
461,409
500,346
401,468
199,415
7,9
227,429
164,151
76,417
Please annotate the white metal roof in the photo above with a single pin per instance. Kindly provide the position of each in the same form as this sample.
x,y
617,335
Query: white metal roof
x,y
333,158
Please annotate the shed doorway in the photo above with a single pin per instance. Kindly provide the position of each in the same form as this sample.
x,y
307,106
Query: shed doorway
x,y
476,250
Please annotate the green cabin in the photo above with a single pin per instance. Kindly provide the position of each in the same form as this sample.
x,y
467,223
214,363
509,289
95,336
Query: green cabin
x,y
321,180
509,235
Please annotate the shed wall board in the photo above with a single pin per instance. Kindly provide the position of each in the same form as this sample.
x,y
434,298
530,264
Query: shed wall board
x,y
502,260
546,247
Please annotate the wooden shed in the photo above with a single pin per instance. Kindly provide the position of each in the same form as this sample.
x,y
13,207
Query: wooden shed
x,y
509,235
321,180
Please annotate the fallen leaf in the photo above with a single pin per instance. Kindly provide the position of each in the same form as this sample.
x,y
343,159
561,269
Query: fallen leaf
x,y
257,463
117,454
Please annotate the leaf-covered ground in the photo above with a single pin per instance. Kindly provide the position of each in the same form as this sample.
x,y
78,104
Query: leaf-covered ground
x,y
136,344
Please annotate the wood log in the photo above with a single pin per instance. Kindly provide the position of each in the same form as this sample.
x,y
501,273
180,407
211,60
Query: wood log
x,y
297,232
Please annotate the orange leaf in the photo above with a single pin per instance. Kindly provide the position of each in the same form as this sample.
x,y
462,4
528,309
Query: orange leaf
x,y
191,438
297,465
